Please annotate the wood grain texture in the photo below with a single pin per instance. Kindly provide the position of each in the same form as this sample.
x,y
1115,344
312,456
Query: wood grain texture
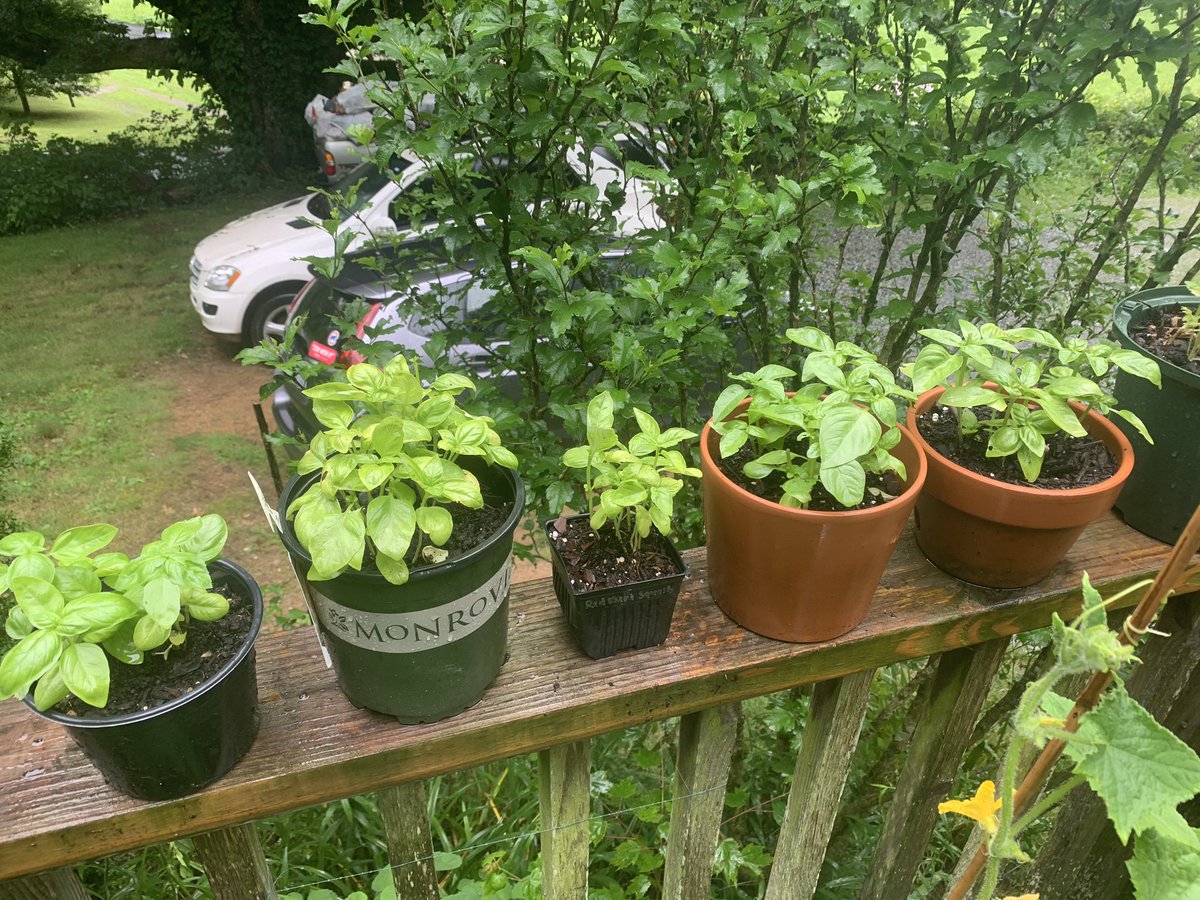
x,y
951,706
410,846
831,733
706,741
57,884
565,782
314,747
234,862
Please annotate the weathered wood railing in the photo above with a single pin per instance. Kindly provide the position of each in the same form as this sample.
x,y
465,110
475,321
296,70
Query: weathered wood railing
x,y
314,747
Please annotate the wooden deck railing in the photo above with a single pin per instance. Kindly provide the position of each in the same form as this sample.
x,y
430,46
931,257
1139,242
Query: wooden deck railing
x,y
313,747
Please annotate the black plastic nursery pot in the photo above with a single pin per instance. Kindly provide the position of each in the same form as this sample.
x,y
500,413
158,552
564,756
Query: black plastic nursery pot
x,y
178,748
627,617
427,649
1164,488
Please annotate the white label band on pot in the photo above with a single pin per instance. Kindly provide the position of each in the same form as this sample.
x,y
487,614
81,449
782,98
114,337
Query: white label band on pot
x,y
423,629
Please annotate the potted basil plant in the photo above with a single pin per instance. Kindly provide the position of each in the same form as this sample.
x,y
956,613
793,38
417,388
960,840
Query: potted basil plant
x,y
401,520
617,574
179,707
806,490
1022,454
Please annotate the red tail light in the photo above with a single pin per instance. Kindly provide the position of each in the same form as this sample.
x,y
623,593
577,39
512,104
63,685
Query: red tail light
x,y
367,320
330,165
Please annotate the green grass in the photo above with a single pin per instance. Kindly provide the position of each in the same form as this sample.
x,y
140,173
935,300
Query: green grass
x,y
122,97
91,315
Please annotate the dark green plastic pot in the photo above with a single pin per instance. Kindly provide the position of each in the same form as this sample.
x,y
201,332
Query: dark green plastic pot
x,y
427,649
1164,488
179,747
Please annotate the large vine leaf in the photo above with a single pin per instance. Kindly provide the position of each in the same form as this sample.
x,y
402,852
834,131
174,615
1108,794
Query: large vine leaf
x,y
1162,869
1140,769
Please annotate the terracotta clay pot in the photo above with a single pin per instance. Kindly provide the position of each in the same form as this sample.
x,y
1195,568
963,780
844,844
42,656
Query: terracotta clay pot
x,y
1002,535
796,574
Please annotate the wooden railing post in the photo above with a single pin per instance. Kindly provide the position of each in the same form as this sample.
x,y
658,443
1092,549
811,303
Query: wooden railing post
x,y
410,847
234,861
706,741
565,805
831,733
57,884
950,706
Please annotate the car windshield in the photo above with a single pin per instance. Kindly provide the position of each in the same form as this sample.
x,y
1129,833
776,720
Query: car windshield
x,y
370,181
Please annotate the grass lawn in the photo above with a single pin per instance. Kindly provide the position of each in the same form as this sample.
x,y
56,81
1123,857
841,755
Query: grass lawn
x,y
106,373
122,98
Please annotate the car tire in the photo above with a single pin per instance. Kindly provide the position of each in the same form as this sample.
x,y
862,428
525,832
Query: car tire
x,y
267,315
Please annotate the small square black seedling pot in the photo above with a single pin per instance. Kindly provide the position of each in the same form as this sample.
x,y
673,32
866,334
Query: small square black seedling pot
x,y
627,617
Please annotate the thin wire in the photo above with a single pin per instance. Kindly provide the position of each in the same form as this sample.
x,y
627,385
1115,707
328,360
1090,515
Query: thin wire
x,y
511,839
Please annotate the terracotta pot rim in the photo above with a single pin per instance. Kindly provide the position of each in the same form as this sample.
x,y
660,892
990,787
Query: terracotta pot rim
x,y
1124,456
913,484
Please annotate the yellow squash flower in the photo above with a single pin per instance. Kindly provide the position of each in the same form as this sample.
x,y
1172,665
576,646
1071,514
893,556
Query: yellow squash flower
x,y
982,807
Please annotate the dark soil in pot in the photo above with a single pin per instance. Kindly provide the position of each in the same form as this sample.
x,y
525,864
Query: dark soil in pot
x,y
209,646
880,488
1070,462
1158,334
596,561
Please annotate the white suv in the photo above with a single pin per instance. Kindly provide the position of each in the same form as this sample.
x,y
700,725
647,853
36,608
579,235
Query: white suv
x,y
244,276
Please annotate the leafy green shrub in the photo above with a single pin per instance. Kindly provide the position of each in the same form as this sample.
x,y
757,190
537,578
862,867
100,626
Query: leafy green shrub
x,y
166,159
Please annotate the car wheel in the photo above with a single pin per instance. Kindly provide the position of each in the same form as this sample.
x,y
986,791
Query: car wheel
x,y
268,314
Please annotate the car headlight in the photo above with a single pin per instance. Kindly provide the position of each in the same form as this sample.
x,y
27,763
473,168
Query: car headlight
x,y
222,278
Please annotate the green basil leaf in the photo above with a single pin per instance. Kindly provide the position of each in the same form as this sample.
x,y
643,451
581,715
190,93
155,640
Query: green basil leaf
x,y
207,607
969,395
75,581
204,536
336,542
390,524
40,600
120,644
50,689
847,482
31,565
727,402
847,432
149,634
17,625
84,669
26,662
109,564
392,569
95,614
435,522
333,413
22,542
76,543
160,599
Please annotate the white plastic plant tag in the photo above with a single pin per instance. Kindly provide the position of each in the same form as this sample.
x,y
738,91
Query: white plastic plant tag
x,y
273,520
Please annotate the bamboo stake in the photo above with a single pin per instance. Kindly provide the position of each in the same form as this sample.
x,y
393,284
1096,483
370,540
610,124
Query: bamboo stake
x,y
1176,571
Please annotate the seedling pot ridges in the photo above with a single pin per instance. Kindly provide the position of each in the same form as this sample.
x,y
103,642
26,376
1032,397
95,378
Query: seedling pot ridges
x,y
625,617
427,649
1164,489
178,748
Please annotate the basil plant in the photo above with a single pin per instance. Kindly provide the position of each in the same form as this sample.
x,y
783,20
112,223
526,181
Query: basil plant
x,y
388,463
74,607
833,431
1030,387
632,485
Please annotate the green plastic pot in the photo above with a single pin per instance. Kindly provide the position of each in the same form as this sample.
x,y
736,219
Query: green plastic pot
x,y
1164,488
427,649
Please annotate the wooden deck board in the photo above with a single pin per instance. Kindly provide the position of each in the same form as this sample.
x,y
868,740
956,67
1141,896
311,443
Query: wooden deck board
x,y
314,746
